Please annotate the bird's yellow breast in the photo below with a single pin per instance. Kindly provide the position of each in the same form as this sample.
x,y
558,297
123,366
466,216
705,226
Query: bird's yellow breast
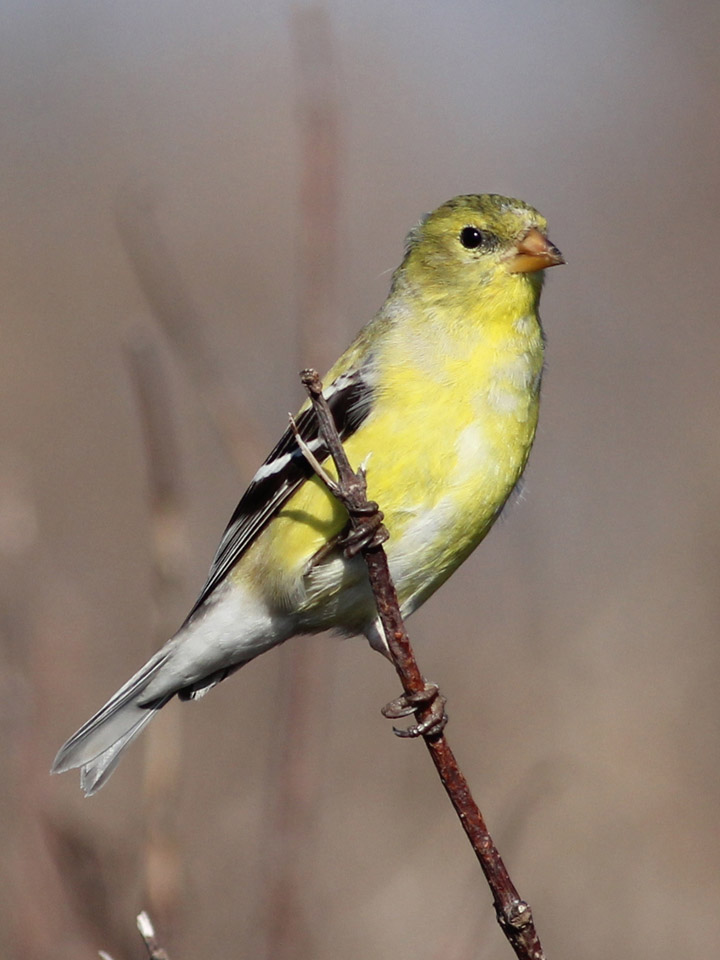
x,y
451,426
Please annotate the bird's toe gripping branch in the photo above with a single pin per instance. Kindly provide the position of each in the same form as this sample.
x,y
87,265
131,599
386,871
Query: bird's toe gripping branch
x,y
428,704
367,530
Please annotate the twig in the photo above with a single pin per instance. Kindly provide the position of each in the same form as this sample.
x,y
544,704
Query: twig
x,y
513,913
147,932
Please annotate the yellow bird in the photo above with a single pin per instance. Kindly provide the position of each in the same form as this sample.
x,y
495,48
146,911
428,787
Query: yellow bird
x,y
438,399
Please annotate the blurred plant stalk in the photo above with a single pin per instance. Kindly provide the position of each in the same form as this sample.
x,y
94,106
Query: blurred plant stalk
x,y
307,665
163,744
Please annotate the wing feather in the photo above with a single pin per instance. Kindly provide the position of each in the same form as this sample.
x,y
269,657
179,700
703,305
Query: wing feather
x,y
285,470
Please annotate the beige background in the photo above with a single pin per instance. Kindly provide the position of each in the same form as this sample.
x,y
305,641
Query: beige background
x,y
579,647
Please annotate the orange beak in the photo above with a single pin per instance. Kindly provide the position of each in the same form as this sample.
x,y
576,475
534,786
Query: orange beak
x,y
533,252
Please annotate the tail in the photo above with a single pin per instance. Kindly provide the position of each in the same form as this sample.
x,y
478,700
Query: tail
x,y
99,743
208,648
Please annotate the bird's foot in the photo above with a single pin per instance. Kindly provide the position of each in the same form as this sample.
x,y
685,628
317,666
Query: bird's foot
x,y
369,531
430,701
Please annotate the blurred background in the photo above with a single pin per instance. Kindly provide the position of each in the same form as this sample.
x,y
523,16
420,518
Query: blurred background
x,y
197,200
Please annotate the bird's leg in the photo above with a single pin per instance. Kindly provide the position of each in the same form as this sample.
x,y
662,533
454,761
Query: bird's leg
x,y
429,698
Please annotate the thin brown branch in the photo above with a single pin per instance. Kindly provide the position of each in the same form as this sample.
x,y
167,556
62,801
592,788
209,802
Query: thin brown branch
x,y
513,913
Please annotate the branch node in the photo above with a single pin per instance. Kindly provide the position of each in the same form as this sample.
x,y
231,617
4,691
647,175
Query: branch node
x,y
518,914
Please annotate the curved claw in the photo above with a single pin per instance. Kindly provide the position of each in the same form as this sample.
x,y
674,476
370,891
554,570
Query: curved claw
x,y
429,698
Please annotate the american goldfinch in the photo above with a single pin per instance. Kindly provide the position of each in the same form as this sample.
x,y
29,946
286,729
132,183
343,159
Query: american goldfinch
x,y
438,399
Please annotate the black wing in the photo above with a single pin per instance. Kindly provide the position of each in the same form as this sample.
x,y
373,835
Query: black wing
x,y
350,400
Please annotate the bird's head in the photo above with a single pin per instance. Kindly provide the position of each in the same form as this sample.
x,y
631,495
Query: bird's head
x,y
473,240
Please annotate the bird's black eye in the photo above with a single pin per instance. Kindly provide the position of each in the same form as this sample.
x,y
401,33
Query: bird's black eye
x,y
472,238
